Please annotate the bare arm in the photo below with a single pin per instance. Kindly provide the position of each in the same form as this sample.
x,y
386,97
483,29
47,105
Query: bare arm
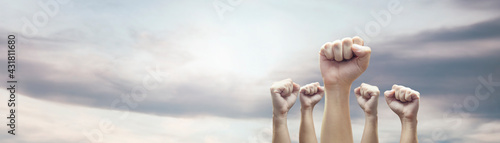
x,y
341,62
280,129
370,133
310,95
409,131
367,96
284,94
404,102
336,127
307,133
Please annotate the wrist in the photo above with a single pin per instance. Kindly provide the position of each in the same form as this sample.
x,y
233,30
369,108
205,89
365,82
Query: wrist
x,y
409,121
306,108
370,112
371,115
338,86
306,111
337,95
279,114
279,121
341,90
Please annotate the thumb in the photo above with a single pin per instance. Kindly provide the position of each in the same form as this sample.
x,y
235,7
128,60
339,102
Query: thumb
x,y
296,88
357,91
321,90
389,94
363,53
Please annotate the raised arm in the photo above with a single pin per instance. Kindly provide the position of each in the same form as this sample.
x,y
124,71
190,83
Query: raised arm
x,y
310,95
341,62
367,96
284,94
404,102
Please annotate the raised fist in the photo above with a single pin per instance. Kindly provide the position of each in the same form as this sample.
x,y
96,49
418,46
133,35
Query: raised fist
x,y
341,62
367,96
403,101
310,95
284,94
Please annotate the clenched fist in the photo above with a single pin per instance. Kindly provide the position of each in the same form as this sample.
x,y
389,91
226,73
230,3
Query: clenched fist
x,y
284,94
310,95
403,101
342,61
367,96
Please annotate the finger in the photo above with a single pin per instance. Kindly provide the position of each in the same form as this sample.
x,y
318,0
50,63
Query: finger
x,y
363,52
402,94
337,50
375,93
288,89
361,90
273,88
357,91
358,40
374,90
295,87
315,88
346,48
327,48
416,95
368,94
276,89
409,95
396,87
322,51
321,90
302,90
397,94
389,94
309,90
378,90
282,87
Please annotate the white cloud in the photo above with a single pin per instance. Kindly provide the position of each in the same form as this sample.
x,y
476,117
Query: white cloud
x,y
45,121
487,132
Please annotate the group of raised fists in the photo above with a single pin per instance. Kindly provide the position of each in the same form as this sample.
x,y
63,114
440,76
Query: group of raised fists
x,y
341,62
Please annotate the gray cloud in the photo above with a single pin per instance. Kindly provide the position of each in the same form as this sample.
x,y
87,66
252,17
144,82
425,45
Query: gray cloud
x,y
482,5
444,77
430,77
482,30
453,77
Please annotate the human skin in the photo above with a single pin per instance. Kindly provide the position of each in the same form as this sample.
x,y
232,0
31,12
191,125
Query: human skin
x,y
339,70
404,102
367,97
309,96
284,94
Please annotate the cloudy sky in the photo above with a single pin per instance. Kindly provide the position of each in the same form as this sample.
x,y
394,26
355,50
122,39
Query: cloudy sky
x,y
199,71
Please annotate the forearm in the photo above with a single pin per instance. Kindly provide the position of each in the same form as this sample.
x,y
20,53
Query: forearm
x,y
280,129
336,127
370,133
307,133
409,131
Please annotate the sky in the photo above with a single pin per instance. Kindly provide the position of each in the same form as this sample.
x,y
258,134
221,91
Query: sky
x,y
200,70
